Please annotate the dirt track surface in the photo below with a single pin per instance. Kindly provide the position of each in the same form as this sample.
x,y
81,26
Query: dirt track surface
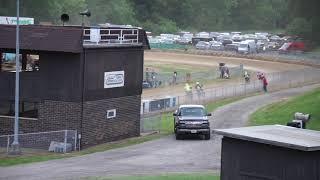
x,y
155,157
208,61
202,60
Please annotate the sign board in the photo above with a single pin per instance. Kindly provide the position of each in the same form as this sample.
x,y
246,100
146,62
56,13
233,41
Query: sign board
x,y
113,79
13,20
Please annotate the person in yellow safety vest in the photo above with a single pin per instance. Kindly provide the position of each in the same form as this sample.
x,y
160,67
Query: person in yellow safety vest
x,y
187,88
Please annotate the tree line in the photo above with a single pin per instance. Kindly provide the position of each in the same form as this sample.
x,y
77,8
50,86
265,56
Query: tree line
x,y
170,16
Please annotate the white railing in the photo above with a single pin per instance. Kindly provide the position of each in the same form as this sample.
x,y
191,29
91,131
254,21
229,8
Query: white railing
x,y
103,36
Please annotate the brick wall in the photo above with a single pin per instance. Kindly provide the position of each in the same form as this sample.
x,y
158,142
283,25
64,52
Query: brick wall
x,y
52,116
98,129
59,115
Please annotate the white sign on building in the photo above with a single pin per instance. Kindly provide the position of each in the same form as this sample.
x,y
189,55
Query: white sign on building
x,y
13,20
113,79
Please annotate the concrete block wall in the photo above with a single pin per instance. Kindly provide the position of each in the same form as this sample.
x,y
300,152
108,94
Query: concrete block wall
x,y
97,128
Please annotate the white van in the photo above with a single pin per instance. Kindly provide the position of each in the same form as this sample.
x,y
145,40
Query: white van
x,y
247,47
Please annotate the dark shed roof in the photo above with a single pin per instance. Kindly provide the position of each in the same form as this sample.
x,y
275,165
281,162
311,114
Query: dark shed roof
x,y
42,38
277,135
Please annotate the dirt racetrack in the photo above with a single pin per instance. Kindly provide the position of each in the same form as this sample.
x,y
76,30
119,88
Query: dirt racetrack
x,y
201,60
177,59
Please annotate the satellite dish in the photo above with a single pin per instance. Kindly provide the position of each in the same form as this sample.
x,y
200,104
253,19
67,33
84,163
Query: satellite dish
x,y
64,18
85,13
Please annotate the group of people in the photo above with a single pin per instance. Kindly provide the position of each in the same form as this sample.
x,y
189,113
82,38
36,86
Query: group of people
x,y
260,76
151,78
198,87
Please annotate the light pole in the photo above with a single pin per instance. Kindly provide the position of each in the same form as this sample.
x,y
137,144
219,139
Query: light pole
x,y
15,146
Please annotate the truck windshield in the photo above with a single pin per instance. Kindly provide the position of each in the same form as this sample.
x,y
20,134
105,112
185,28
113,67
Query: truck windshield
x,y
193,112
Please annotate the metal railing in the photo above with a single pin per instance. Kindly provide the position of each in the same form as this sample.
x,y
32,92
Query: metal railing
x,y
55,141
105,36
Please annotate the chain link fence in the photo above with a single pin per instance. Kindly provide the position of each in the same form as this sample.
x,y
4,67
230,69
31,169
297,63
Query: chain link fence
x,y
165,79
155,113
54,141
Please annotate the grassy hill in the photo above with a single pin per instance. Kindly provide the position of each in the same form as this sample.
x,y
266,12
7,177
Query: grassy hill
x,y
282,112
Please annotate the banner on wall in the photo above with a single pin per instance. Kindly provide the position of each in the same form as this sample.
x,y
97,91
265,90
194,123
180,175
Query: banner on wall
x,y
113,79
13,20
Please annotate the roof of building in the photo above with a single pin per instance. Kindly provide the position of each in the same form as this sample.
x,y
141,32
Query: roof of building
x,y
277,135
71,38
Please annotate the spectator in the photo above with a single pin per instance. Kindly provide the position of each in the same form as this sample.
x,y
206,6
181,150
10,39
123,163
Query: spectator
x,y
174,78
264,83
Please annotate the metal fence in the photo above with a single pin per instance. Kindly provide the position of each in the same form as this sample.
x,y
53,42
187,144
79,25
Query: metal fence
x,y
166,79
155,113
55,141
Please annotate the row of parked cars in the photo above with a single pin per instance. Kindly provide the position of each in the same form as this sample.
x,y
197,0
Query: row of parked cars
x,y
234,41
251,43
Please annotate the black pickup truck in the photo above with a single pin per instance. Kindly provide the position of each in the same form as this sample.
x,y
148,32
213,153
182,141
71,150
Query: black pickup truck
x,y
191,119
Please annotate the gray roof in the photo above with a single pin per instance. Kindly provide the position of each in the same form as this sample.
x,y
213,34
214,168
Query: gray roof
x,y
277,135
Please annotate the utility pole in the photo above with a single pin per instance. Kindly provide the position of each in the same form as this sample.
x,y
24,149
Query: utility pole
x,y
15,146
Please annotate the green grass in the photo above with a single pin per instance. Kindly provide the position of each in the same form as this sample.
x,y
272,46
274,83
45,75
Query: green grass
x,y
162,177
282,112
214,105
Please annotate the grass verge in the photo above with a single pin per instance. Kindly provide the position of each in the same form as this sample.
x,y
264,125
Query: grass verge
x,y
282,112
194,176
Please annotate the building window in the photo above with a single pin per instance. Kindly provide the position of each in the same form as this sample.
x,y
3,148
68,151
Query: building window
x,y
28,62
26,109
111,113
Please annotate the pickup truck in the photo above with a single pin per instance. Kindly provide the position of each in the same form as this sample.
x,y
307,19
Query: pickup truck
x,y
191,119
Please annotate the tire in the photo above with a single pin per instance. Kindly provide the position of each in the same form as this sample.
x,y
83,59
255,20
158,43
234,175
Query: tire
x,y
178,137
207,137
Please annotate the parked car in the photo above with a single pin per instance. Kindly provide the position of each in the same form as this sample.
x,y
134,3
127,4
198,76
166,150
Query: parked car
x,y
215,45
237,38
273,46
232,47
202,45
226,41
146,85
247,47
191,120
292,47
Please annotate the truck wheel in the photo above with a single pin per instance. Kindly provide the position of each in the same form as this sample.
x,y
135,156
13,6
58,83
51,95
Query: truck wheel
x,y
207,137
178,137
